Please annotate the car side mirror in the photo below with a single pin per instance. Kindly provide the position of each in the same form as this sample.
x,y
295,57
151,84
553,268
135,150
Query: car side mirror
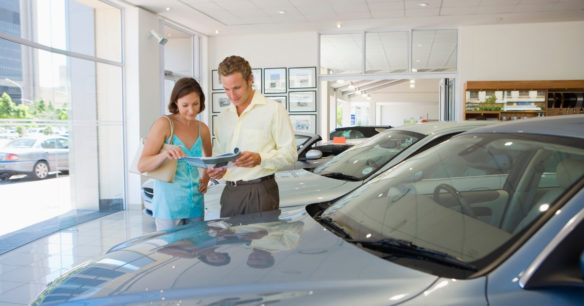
x,y
313,154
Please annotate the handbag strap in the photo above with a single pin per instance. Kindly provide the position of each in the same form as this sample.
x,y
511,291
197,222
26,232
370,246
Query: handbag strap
x,y
171,129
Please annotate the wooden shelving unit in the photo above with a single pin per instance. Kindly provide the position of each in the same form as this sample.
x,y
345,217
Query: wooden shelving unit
x,y
512,100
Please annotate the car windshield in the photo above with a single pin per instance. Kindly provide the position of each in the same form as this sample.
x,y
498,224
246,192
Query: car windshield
x,y
366,158
301,140
21,143
468,197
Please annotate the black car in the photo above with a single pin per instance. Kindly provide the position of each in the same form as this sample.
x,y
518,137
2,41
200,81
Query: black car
x,y
358,131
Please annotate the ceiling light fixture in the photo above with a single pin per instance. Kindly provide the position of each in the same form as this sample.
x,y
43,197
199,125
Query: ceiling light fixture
x,y
412,81
281,12
423,4
412,85
168,9
339,25
216,31
414,70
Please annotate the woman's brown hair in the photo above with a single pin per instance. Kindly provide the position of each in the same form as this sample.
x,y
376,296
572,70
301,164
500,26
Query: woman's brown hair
x,y
182,88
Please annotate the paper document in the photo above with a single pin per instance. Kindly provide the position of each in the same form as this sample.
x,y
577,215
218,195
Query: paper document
x,y
219,161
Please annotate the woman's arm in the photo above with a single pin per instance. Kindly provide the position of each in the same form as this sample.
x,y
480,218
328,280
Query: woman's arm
x,y
151,157
207,152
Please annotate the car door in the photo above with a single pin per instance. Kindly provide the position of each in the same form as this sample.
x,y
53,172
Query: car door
x,y
61,154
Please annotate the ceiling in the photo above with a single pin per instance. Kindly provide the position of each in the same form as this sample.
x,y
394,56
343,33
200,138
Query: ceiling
x,y
236,17
241,17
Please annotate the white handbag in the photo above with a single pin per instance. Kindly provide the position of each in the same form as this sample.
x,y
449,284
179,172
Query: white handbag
x,y
167,170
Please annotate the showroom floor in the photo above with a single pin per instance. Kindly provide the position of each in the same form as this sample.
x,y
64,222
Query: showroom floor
x,y
26,271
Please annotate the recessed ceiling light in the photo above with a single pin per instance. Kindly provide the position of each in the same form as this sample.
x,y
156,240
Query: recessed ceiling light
x,y
412,81
414,70
168,9
339,25
281,12
216,31
412,85
423,4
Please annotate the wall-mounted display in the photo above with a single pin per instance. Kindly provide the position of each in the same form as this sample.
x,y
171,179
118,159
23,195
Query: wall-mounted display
x,y
302,77
279,99
274,80
216,80
220,102
304,122
302,101
257,79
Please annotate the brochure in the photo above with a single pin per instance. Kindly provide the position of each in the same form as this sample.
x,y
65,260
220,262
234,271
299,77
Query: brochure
x,y
219,161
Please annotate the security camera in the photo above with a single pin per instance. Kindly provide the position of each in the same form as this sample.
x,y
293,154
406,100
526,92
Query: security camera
x,y
161,40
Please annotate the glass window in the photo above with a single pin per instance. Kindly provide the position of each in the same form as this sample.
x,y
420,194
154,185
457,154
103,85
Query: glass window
x,y
434,50
88,27
386,52
349,61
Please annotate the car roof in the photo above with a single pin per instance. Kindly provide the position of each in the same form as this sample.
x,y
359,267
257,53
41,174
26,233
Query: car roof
x,y
438,127
566,125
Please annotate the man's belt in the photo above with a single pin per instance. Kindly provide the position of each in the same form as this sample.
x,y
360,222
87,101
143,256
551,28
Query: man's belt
x,y
254,181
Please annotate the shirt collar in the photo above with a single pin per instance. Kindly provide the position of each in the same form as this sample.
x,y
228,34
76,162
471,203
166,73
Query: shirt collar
x,y
257,99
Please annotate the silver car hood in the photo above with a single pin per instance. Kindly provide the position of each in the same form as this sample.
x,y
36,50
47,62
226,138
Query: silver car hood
x,y
309,265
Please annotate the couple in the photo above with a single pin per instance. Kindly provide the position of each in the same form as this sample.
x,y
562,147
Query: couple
x,y
259,127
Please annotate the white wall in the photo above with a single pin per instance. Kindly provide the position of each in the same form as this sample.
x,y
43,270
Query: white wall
x,y
395,113
542,51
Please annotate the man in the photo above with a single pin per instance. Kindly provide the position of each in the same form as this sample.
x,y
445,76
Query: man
x,y
262,131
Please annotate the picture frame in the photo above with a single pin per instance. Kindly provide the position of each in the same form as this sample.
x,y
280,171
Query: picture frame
x,y
220,102
216,80
280,99
304,122
302,101
213,119
275,80
301,77
257,79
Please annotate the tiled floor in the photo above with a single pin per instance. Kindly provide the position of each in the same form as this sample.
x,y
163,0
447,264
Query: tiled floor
x,y
26,271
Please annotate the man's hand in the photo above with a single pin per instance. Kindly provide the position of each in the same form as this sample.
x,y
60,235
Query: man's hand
x,y
248,159
216,173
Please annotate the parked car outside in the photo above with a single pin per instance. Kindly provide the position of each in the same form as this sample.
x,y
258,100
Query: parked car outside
x,y
357,131
37,156
494,216
348,170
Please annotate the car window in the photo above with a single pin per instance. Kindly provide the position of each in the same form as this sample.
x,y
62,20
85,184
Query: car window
x,y
48,144
62,143
467,197
355,134
21,143
301,140
363,160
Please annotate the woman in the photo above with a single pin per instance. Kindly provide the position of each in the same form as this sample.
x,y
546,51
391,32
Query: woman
x,y
181,201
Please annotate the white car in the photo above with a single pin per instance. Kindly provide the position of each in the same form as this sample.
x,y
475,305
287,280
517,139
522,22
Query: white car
x,y
346,171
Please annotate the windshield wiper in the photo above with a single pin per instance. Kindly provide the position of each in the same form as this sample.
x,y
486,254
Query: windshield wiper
x,y
330,224
342,176
406,248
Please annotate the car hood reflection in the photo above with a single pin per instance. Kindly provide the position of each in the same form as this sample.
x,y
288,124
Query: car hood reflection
x,y
247,259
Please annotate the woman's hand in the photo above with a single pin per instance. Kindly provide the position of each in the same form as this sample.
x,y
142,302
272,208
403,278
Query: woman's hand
x,y
203,183
173,153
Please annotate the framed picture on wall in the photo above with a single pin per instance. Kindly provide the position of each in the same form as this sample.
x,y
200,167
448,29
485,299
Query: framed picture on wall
x,y
274,80
212,127
302,77
302,101
220,102
304,122
216,80
279,99
257,79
